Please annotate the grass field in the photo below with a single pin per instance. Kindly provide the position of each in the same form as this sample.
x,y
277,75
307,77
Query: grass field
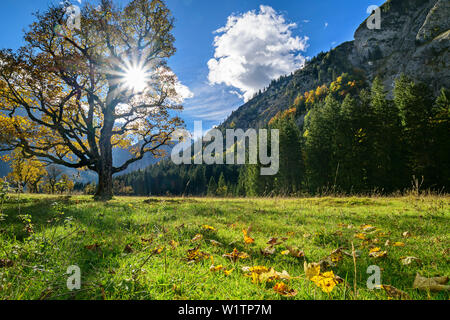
x,y
137,248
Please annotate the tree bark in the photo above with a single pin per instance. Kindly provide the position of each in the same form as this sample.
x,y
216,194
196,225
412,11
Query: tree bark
x,y
105,182
105,163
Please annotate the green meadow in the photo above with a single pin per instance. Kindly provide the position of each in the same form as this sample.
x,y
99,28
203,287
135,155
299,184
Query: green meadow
x,y
173,248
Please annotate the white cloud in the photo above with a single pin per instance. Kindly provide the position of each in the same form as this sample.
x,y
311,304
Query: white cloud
x,y
255,48
326,25
183,91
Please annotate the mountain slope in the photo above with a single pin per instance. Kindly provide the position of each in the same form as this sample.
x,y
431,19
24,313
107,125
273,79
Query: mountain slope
x,y
413,39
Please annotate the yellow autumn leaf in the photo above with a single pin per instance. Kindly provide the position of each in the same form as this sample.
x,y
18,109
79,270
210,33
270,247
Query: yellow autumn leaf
x,y
197,237
208,228
247,238
228,272
398,244
311,269
216,268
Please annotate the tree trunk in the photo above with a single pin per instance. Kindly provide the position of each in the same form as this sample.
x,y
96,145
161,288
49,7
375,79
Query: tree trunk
x,y
105,183
105,163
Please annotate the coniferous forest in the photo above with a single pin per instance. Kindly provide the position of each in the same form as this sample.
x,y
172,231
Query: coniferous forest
x,y
346,137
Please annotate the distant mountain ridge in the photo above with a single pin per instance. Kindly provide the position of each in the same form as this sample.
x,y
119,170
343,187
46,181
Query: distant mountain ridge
x,y
414,39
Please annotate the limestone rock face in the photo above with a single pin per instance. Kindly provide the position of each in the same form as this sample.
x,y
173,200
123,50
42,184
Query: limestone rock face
x,y
436,23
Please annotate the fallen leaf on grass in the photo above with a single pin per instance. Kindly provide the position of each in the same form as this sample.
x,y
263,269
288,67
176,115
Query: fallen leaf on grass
x,y
272,275
336,256
408,260
268,251
326,281
282,289
195,255
296,252
311,269
197,238
6,263
406,234
431,284
368,228
128,249
361,236
144,240
208,228
173,244
214,268
158,250
247,238
228,272
93,247
256,269
215,243
398,244
261,274
275,242
236,255
377,253
394,292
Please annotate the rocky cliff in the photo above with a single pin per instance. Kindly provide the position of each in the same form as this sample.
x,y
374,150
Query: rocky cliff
x,y
414,39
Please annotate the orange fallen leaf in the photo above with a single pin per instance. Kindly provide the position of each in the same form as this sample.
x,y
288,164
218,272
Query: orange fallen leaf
x,y
282,289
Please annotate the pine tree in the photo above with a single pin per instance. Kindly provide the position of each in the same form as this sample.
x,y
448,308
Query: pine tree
x,y
353,140
320,146
387,148
212,187
290,176
222,189
415,103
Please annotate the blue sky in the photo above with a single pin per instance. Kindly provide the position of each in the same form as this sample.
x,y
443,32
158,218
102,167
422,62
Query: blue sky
x,y
326,23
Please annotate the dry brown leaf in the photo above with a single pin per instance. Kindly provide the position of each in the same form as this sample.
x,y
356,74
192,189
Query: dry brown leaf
x,y
174,244
144,240
93,247
284,290
431,284
197,237
128,249
195,255
268,251
215,243
236,255
158,250
296,252
408,260
272,275
6,263
394,292
275,242
406,234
